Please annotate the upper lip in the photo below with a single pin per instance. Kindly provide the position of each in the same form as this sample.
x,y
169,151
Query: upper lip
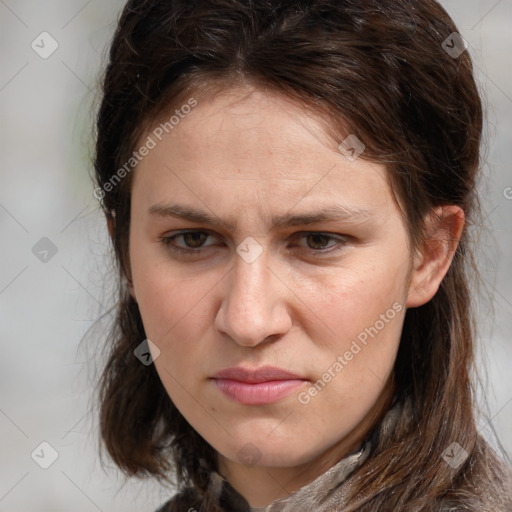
x,y
254,376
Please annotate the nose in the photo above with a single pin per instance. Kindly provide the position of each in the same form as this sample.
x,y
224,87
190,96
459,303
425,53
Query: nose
x,y
254,306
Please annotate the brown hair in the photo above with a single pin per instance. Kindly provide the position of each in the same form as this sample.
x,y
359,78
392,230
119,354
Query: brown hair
x,y
376,69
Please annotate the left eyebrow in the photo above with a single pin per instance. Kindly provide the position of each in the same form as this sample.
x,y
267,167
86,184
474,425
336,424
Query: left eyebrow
x,y
329,213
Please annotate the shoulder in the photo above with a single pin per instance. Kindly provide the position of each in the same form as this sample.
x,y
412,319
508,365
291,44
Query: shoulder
x,y
187,500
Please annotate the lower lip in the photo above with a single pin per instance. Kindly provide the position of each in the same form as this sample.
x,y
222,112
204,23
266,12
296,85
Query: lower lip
x,y
257,394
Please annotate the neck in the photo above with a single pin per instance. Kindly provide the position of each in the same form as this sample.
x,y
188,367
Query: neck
x,y
261,485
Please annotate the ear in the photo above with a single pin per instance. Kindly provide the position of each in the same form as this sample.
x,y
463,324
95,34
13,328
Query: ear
x,y
111,225
431,262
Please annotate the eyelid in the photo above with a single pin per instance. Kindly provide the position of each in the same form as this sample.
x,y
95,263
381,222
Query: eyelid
x,y
168,238
342,241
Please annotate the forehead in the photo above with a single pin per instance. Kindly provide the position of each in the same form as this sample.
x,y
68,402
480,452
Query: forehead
x,y
254,147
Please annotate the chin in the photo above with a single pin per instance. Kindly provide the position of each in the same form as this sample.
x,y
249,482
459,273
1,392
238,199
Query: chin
x,y
260,451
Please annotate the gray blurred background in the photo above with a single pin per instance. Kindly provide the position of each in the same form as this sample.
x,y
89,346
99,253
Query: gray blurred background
x,y
54,255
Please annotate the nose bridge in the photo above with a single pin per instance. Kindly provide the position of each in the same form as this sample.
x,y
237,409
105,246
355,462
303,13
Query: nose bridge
x,y
250,281
253,305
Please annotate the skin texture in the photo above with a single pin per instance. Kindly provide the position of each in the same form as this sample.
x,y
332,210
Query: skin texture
x,y
243,157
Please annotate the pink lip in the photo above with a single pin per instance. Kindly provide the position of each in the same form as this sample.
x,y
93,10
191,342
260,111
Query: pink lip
x,y
257,387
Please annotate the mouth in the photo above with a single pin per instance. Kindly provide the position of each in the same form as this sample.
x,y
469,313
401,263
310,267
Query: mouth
x,y
257,387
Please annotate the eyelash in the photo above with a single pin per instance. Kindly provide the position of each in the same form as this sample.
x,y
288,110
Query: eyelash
x,y
167,242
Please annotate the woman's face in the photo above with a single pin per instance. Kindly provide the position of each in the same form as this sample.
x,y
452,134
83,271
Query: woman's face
x,y
261,285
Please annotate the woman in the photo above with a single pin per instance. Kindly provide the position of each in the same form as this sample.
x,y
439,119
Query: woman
x,y
288,187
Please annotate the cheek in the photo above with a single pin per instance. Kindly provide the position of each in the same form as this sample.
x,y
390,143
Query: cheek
x,y
347,302
172,304
357,333
168,303
172,319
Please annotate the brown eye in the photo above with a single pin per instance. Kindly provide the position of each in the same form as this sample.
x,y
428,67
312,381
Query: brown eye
x,y
317,239
317,243
193,241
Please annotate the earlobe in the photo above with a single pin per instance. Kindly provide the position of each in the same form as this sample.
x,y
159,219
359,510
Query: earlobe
x,y
445,225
